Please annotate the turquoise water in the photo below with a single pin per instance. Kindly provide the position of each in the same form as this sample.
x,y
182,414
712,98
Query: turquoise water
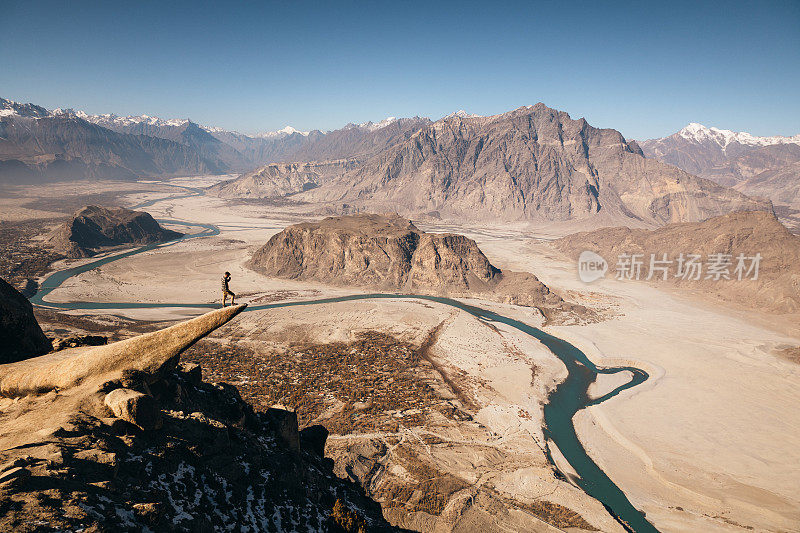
x,y
568,398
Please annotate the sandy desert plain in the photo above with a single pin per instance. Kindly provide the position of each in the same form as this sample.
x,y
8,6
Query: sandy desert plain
x,y
710,442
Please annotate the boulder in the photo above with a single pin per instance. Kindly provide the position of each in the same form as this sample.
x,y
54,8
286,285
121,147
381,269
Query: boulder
x,y
312,439
134,407
79,340
192,371
284,422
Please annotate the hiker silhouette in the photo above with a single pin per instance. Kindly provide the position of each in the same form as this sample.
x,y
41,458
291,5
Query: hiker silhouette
x,y
226,291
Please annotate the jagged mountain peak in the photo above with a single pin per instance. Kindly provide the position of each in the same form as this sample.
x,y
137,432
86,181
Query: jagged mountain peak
x,y
461,114
532,163
110,119
374,126
279,134
10,108
698,133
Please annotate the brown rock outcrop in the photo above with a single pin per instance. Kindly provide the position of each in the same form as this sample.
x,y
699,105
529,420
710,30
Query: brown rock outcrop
x,y
69,368
201,459
94,227
389,252
134,407
20,334
777,287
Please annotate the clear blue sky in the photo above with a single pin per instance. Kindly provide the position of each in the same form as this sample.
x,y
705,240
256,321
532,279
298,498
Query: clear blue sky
x,y
644,68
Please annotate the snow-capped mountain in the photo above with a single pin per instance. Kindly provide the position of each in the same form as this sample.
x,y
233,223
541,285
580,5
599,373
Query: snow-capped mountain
x,y
374,126
281,133
759,166
144,124
110,120
9,108
145,145
463,114
116,122
701,134
41,145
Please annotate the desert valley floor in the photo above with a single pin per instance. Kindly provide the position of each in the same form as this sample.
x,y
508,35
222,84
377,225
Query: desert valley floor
x,y
710,442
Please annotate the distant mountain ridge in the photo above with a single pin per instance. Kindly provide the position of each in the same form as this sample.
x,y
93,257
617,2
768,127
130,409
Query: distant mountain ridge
x,y
761,166
41,145
532,163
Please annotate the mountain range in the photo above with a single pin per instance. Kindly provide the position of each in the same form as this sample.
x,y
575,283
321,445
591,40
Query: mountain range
x,y
533,163
41,145
758,166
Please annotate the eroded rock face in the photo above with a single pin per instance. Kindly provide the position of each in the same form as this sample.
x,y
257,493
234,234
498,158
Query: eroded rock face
x,y
213,464
134,407
362,250
20,334
178,454
777,287
94,227
280,179
532,163
389,252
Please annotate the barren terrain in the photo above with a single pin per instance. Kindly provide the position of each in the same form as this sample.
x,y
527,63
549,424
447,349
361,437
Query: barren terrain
x,y
707,443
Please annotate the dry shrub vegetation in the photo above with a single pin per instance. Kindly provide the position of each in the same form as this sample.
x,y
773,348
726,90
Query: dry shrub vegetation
x,y
369,384
375,383
21,257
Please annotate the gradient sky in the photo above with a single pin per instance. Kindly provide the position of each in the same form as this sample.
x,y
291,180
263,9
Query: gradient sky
x,y
644,68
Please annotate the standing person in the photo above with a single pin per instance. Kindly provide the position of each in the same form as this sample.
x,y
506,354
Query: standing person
x,y
226,290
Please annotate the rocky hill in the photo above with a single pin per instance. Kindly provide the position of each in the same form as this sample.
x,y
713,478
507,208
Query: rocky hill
x,y
760,166
356,140
20,334
94,227
281,179
123,437
776,289
388,252
534,163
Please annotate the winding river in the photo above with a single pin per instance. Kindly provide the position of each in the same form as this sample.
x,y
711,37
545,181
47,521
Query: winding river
x,y
569,397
